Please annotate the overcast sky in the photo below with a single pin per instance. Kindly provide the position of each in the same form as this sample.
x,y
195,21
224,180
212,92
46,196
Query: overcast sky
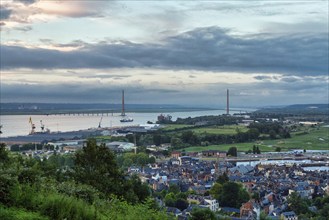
x,y
165,52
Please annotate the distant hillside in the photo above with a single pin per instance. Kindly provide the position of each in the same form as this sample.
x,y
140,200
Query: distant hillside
x,y
298,109
308,106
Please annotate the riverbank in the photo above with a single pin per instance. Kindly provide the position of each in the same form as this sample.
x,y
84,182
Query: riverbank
x,y
53,108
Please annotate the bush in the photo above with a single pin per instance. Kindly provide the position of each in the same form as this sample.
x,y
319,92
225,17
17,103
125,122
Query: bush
x,y
7,184
81,191
19,214
58,206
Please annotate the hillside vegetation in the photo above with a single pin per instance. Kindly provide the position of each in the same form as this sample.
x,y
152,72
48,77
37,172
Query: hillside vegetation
x,y
94,188
308,138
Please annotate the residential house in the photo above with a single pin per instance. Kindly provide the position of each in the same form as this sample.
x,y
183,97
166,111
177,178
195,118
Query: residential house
x,y
175,154
289,215
213,203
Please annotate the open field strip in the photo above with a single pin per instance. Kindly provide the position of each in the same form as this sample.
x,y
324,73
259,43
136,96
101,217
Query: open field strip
x,y
316,139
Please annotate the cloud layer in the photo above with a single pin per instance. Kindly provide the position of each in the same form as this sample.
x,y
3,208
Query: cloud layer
x,y
209,48
164,51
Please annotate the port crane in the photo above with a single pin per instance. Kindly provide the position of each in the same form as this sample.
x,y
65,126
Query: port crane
x,y
43,129
99,125
42,126
32,126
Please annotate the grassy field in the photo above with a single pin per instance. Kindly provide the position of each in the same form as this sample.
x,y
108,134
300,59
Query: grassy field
x,y
227,129
170,127
315,139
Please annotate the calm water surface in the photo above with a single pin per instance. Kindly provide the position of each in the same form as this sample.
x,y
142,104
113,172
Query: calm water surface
x,y
14,125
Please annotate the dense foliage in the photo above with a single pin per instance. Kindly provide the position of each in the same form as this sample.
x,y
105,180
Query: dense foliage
x,y
130,159
44,189
209,120
229,194
202,214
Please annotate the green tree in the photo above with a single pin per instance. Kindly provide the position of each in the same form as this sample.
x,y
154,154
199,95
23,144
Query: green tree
x,y
278,149
157,139
29,175
253,133
181,204
4,158
232,195
232,151
216,190
325,211
170,200
257,150
272,134
202,214
152,160
176,142
141,190
297,204
190,137
254,149
142,159
256,196
174,188
96,166
263,216
222,178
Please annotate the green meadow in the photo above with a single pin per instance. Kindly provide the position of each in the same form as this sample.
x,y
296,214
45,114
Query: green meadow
x,y
172,127
308,138
226,129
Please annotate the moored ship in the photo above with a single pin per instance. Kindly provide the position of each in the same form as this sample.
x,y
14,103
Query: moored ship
x,y
126,120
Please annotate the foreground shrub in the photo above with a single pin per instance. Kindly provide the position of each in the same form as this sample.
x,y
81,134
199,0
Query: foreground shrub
x,y
19,214
81,191
7,186
58,206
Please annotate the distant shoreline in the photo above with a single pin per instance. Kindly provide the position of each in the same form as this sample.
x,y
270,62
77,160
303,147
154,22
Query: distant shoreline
x,y
98,111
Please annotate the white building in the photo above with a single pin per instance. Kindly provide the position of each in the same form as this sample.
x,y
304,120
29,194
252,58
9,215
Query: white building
x,y
212,204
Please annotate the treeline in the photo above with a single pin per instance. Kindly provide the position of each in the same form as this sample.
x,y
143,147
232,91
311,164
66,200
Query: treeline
x,y
91,187
209,120
273,129
190,138
129,159
186,137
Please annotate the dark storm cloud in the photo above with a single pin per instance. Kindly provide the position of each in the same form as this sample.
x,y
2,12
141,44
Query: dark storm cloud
x,y
202,49
263,77
4,13
290,79
26,2
68,92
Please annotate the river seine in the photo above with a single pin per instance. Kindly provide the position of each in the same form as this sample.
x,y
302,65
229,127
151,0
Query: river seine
x,y
14,125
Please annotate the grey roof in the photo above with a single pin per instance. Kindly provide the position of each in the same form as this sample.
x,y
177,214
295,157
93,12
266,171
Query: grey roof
x,y
289,214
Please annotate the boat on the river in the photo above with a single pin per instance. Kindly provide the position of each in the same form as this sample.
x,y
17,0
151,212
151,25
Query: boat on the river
x,y
126,120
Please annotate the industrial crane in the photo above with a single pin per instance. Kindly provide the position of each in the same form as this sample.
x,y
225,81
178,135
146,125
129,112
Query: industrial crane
x,y
32,126
99,125
42,126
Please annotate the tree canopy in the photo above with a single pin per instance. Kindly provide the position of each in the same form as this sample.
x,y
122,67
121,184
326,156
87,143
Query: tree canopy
x,y
229,194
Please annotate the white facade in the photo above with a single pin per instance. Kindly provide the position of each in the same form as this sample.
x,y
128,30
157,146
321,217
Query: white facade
x,y
213,204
